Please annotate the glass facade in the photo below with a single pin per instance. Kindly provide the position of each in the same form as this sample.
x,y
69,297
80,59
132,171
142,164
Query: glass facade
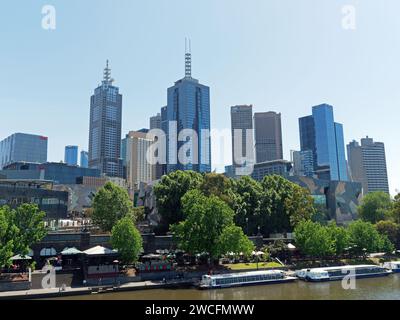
x,y
71,155
84,159
23,147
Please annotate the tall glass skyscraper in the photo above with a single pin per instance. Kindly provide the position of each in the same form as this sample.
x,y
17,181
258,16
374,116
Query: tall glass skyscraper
x,y
23,147
84,163
324,137
71,155
242,120
189,108
105,128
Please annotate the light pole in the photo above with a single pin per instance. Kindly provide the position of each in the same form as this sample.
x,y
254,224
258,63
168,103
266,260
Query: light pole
x,y
247,223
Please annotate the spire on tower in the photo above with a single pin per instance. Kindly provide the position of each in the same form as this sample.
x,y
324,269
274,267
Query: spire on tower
x,y
188,58
107,74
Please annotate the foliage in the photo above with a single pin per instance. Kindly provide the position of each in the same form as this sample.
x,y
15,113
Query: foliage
x,y
389,229
375,207
127,240
110,204
207,222
6,241
321,214
169,192
219,186
138,213
340,238
232,239
396,209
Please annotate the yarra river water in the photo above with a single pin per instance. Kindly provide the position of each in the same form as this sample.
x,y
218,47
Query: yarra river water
x,y
386,288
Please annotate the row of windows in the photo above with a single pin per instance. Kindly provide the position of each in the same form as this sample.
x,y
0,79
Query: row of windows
x,y
264,277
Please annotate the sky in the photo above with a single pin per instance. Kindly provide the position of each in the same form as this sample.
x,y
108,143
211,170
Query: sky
x,y
278,55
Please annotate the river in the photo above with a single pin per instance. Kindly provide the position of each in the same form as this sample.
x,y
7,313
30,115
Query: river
x,y
387,288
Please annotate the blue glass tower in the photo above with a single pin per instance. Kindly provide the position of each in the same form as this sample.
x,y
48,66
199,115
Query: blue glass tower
x,y
188,108
71,155
105,128
84,159
324,137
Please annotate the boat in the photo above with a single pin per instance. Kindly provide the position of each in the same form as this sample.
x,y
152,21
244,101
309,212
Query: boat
x,y
244,279
394,266
339,273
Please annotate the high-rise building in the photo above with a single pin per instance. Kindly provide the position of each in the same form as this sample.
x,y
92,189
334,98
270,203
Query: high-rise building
x,y
84,163
155,122
23,147
241,125
138,168
188,108
105,128
303,163
268,136
367,164
321,135
71,155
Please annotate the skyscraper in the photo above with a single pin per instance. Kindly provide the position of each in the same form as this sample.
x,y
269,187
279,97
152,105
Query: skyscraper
x,y
303,163
155,122
188,108
242,122
84,159
367,164
105,128
23,147
320,134
268,136
71,155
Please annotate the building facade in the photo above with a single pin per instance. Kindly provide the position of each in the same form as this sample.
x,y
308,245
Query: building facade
x,y
71,155
23,147
324,137
105,128
277,167
367,165
303,163
84,161
155,122
188,132
268,136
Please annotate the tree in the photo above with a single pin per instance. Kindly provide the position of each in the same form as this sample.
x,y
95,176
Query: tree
x,y
314,239
127,240
110,204
389,229
218,185
284,204
6,237
396,209
364,237
205,226
339,236
169,192
233,239
31,228
375,207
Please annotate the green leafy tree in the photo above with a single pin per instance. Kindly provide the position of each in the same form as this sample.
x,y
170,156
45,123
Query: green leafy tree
x,y
284,204
389,229
206,220
396,209
127,240
233,239
375,207
364,237
218,185
110,204
339,236
169,192
6,237
313,239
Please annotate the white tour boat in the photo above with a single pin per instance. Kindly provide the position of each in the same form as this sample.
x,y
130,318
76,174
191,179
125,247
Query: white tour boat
x,y
394,266
244,279
338,273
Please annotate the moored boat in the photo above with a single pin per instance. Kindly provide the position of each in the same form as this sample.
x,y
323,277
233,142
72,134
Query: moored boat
x,y
394,266
339,273
244,279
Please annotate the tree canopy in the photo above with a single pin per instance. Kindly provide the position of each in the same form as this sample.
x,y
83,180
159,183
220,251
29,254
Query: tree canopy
x,y
110,204
375,207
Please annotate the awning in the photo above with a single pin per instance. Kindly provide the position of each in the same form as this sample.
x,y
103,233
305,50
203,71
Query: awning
x,y
48,252
19,257
71,252
291,247
100,251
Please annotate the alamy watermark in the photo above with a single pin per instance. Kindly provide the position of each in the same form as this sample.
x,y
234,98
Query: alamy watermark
x,y
49,17
349,18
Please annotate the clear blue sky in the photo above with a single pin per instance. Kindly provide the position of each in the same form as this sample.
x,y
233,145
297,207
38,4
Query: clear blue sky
x,y
281,55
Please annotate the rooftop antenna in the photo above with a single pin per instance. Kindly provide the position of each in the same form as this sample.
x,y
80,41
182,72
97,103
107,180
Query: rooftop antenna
x,y
188,58
107,74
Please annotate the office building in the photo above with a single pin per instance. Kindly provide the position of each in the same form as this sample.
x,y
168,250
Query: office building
x,y
23,147
277,167
268,136
155,122
84,163
303,163
188,108
367,165
105,128
324,137
71,155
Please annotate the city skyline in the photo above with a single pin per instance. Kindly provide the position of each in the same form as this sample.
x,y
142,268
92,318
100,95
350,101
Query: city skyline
x,y
360,85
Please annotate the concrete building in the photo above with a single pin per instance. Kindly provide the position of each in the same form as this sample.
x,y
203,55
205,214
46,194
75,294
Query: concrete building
x,y
105,128
23,147
367,165
268,136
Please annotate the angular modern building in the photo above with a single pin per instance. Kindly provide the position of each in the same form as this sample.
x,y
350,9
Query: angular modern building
x,y
23,147
71,155
268,136
241,125
105,128
324,137
367,165
188,117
